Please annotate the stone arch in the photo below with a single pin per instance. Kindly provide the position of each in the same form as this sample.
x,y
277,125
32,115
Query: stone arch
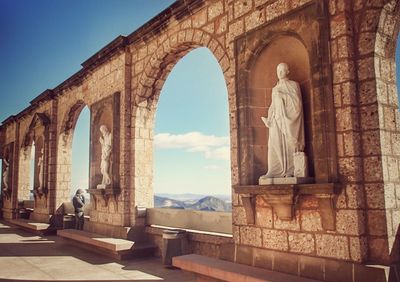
x,y
169,52
38,133
70,119
150,82
388,120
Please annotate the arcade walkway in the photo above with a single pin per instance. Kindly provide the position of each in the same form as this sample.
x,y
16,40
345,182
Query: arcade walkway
x,y
27,257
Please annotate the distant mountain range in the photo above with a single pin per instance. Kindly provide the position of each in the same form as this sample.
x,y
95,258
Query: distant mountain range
x,y
194,202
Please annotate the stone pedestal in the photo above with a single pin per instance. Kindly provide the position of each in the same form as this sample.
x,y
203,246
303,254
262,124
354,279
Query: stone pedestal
x,y
103,186
284,180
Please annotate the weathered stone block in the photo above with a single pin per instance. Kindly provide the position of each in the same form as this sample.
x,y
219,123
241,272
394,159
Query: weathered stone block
x,y
355,196
358,248
310,220
276,9
301,243
255,19
350,222
241,7
349,169
366,68
221,25
333,246
264,217
343,71
340,25
274,239
372,169
239,216
215,9
250,236
293,224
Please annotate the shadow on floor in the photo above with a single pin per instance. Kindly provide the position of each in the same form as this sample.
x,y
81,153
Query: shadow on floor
x,y
42,252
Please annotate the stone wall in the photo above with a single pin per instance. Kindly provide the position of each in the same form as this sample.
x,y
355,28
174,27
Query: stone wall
x,y
351,116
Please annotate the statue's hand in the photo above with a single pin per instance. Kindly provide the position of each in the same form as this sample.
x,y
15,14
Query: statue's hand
x,y
266,121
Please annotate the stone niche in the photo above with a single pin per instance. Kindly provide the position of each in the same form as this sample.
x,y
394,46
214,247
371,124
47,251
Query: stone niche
x,y
300,40
38,133
104,112
7,170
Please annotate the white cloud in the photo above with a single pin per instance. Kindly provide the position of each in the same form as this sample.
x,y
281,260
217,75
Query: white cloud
x,y
213,147
212,167
221,153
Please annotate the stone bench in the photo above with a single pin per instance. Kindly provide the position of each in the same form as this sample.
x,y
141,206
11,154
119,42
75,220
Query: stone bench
x,y
31,226
211,269
113,247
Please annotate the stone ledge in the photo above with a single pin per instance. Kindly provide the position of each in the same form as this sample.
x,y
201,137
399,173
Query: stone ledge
x,y
112,244
219,270
32,226
112,247
201,237
283,197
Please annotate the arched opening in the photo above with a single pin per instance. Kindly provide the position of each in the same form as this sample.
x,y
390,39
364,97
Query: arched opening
x,y
31,186
26,173
73,150
385,249
80,153
191,136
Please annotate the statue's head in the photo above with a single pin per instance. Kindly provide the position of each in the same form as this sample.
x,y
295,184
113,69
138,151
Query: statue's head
x,y
282,70
103,129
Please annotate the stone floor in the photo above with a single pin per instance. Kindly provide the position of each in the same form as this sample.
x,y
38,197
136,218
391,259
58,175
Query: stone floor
x,y
26,257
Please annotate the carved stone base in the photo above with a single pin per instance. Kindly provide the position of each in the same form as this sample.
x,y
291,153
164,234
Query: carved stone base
x,y
283,200
104,193
285,180
103,186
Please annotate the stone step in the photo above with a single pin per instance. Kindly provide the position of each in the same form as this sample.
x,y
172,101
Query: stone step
x,y
32,226
211,269
113,247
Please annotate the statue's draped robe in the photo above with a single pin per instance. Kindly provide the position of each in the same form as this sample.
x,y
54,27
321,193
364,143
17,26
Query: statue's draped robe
x,y
286,128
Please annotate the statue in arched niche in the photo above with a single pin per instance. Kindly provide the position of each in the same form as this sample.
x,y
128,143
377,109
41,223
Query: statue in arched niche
x,y
40,169
106,148
6,173
286,159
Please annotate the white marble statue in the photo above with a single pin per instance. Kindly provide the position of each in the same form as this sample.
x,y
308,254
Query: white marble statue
x,y
105,141
40,169
5,174
286,128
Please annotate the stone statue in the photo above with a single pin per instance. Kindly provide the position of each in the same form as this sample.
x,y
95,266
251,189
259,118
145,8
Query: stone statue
x,y
78,201
5,174
286,130
40,169
105,141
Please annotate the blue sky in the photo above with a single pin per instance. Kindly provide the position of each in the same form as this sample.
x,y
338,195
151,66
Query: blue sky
x,y
44,42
